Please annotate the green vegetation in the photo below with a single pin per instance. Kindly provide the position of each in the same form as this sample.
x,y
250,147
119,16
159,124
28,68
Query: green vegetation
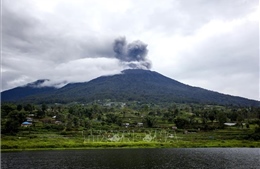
x,y
115,124
222,138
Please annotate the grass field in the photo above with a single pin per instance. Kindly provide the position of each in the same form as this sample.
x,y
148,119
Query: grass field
x,y
230,137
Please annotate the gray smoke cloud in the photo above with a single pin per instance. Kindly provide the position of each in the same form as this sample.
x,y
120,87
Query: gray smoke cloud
x,y
133,54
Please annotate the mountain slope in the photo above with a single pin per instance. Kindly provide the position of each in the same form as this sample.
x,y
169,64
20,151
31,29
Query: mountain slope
x,y
19,93
137,85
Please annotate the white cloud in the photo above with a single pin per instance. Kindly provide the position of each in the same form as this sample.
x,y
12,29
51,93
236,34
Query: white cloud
x,y
86,69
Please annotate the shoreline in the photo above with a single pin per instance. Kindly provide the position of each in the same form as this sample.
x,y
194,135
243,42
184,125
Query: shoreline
x,y
138,145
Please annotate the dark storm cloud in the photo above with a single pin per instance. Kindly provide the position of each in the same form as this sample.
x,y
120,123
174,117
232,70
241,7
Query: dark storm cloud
x,y
47,37
132,54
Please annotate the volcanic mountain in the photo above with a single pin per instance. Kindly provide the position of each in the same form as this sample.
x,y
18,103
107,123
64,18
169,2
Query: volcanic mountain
x,y
131,85
21,92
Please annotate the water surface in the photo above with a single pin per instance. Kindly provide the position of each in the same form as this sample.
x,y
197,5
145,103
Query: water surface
x,y
213,158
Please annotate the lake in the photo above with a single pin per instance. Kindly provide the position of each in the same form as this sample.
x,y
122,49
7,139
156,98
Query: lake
x,y
213,158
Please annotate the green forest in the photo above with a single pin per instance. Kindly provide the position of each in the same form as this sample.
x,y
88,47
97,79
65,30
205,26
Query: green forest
x,y
131,124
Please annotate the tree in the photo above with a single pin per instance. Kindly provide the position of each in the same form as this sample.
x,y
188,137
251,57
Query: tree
x,y
40,113
144,108
233,116
205,114
69,125
28,107
11,126
112,118
212,116
222,118
6,109
192,119
181,122
176,112
240,119
17,116
76,122
19,107
87,123
89,114
150,121
60,117
256,134
13,122
125,110
96,109
44,107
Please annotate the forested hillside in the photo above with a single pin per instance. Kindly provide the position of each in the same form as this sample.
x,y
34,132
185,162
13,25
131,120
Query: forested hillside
x,y
131,85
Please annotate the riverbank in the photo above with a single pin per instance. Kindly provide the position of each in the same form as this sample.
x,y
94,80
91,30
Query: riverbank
x,y
75,144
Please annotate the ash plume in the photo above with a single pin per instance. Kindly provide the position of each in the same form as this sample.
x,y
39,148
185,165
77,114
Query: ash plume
x,y
133,54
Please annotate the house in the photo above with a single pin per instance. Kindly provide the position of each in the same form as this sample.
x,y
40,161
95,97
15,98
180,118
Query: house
x,y
26,124
125,124
174,128
230,124
29,119
58,122
140,124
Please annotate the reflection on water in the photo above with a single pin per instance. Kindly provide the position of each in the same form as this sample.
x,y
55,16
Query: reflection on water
x,y
239,158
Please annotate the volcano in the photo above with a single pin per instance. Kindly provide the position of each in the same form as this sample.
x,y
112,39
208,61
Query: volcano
x,y
130,85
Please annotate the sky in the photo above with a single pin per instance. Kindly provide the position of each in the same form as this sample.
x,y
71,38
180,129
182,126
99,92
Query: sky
x,y
210,44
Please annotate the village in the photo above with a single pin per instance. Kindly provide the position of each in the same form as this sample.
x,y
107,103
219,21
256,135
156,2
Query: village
x,y
132,124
